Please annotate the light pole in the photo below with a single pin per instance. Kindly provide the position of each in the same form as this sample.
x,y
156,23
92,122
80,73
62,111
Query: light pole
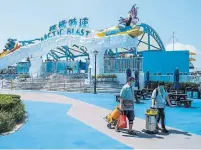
x,y
95,54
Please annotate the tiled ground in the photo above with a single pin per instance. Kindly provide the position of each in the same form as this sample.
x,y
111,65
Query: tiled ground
x,y
186,119
49,126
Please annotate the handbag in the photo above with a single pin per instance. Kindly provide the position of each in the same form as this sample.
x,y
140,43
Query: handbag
x,y
128,103
122,122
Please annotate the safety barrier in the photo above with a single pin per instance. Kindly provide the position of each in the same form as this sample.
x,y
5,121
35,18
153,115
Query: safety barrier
x,y
182,78
120,65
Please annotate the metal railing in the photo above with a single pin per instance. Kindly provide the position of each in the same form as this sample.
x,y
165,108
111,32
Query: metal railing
x,y
57,82
120,65
182,78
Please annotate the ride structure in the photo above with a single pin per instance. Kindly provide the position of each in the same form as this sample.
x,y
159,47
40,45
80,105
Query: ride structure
x,y
10,47
71,40
67,39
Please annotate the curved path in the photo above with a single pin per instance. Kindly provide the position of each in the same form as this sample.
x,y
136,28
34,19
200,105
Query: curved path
x,y
92,116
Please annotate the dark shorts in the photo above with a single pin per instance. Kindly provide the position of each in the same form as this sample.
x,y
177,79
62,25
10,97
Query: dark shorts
x,y
130,115
161,113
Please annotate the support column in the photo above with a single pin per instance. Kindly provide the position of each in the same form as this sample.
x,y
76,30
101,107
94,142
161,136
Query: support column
x,y
141,80
117,55
89,75
99,60
35,67
149,48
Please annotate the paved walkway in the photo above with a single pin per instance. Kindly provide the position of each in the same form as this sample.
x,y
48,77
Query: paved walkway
x,y
49,127
92,115
176,117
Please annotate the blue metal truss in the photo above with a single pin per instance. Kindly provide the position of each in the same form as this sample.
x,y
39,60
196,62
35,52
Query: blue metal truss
x,y
53,55
151,32
24,43
109,52
67,52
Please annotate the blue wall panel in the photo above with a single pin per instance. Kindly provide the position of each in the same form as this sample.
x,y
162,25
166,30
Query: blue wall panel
x,y
166,61
23,67
60,66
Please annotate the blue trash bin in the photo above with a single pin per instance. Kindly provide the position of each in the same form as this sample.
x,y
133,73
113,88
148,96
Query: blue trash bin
x,y
189,92
195,93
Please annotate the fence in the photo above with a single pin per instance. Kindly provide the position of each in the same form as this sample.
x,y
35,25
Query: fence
x,y
57,82
120,65
182,78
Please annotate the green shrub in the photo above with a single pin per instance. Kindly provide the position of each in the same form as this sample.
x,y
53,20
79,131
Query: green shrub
x,y
108,76
99,76
12,111
15,96
12,95
114,76
19,112
22,76
7,122
104,76
6,102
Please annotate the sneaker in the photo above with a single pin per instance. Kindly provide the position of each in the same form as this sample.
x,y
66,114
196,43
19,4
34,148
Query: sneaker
x,y
157,127
132,132
109,126
116,129
165,130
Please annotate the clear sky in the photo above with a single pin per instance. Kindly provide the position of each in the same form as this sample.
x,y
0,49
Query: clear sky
x,y
28,19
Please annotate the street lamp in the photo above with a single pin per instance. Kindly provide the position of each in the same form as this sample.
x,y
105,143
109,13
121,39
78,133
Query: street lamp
x,y
95,52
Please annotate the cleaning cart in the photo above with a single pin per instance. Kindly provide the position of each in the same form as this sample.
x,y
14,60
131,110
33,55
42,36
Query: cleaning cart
x,y
151,121
113,117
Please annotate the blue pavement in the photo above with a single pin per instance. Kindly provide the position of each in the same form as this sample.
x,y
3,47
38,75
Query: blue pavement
x,y
49,126
185,119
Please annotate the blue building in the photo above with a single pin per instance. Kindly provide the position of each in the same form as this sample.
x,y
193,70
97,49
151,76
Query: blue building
x,y
23,67
62,66
165,62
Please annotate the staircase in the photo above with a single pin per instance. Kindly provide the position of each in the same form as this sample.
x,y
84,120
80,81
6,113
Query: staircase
x,y
56,82
111,87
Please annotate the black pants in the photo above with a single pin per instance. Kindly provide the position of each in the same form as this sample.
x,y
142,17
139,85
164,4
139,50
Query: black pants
x,y
130,115
161,115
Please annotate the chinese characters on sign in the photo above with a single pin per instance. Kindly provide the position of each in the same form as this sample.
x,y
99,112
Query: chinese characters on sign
x,y
72,26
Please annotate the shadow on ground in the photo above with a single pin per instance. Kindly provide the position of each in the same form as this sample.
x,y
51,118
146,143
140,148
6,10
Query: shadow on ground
x,y
140,134
173,131
143,134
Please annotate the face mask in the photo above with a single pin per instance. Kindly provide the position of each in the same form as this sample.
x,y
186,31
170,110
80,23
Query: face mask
x,y
161,88
133,84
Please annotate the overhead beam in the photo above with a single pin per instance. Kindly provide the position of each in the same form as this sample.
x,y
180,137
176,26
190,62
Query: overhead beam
x,y
57,52
52,55
150,45
140,39
148,29
61,50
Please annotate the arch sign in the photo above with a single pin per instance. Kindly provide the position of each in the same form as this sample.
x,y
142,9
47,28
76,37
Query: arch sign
x,y
72,26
